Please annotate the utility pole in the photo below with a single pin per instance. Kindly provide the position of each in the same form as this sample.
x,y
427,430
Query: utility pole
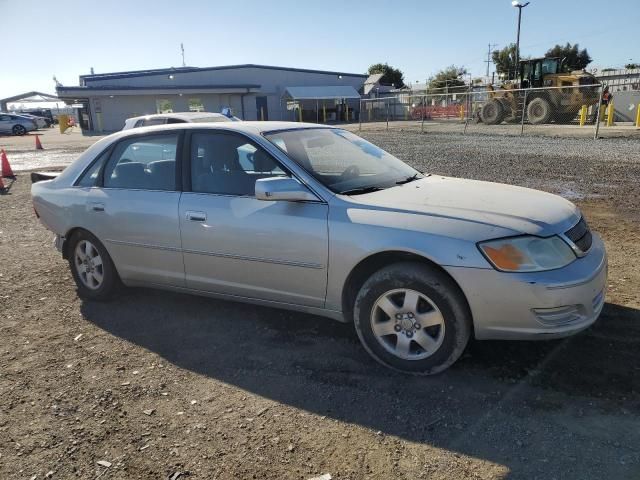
x,y
488,60
519,6
182,50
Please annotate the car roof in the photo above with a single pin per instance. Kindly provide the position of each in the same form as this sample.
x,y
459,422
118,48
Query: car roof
x,y
252,127
180,115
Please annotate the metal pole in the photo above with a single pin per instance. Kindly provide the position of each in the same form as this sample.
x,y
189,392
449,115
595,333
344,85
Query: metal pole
x,y
317,111
387,108
518,40
424,107
360,116
469,107
595,135
524,109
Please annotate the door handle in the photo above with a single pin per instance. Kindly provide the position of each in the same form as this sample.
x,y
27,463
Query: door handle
x,y
196,216
97,207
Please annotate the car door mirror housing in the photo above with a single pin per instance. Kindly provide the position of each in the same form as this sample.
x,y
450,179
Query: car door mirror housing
x,y
283,188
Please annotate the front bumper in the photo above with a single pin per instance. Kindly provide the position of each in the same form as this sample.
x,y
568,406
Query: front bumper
x,y
541,305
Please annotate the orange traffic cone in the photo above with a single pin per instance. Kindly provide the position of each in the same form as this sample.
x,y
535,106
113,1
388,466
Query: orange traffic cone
x,y
6,168
38,144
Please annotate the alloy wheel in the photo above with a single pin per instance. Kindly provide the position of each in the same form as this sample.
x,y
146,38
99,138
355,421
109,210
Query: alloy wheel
x,y
88,263
408,324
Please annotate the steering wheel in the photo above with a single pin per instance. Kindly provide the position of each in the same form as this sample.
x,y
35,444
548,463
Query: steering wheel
x,y
351,171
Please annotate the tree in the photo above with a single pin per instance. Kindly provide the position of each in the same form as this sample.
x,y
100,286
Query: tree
x,y
448,79
574,58
505,60
391,76
632,65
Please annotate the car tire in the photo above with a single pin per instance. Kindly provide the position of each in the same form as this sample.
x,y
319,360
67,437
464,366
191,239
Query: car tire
x,y
19,130
92,268
390,307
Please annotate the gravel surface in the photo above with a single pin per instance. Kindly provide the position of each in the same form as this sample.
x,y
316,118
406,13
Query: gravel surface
x,y
159,385
574,168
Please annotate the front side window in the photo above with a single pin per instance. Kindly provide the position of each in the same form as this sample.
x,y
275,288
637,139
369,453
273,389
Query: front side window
x,y
229,164
342,161
147,163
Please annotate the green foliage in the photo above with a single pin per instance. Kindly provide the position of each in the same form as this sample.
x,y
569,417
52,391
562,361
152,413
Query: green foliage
x,y
575,59
632,65
448,79
392,76
505,60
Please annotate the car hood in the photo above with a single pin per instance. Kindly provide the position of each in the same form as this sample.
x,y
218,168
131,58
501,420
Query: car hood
x,y
469,209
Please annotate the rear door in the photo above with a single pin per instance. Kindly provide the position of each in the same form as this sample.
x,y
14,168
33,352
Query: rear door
x,y
134,208
237,245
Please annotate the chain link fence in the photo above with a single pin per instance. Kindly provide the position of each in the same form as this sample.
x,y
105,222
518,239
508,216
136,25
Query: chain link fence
x,y
578,109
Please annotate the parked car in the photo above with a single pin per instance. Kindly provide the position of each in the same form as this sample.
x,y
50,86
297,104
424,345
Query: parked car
x,y
316,219
16,124
178,117
40,112
41,122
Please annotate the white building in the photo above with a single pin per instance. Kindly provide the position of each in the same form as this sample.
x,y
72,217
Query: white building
x,y
253,92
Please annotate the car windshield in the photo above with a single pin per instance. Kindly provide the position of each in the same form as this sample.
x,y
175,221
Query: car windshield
x,y
342,161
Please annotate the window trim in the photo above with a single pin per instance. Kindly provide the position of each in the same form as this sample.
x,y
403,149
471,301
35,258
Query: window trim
x,y
177,169
186,170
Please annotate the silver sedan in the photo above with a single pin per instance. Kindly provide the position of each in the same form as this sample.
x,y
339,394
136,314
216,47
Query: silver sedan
x,y
316,219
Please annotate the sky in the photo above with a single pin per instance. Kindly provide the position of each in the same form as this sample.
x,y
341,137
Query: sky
x,y
44,38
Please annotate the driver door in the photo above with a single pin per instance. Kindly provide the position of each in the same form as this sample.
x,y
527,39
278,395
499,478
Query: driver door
x,y
236,245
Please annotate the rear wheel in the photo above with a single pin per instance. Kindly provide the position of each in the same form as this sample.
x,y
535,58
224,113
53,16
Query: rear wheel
x,y
92,268
19,130
539,111
412,318
492,112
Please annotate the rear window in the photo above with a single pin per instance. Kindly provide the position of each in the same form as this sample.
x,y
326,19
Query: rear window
x,y
221,118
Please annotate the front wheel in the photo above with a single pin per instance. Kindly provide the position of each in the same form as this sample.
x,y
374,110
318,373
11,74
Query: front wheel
x,y
92,268
412,318
19,130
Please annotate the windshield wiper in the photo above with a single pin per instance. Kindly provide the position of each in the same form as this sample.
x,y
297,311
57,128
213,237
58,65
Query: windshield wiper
x,y
408,179
361,190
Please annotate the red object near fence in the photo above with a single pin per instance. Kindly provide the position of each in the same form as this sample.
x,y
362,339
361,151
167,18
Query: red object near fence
x,y
431,112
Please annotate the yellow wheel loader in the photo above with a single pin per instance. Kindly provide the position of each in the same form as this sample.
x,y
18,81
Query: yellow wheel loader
x,y
547,94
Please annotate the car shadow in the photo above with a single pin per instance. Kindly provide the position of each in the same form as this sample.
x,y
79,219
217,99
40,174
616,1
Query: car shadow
x,y
317,365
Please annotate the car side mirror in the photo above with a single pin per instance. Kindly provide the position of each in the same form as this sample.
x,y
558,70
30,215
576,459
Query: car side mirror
x,y
283,188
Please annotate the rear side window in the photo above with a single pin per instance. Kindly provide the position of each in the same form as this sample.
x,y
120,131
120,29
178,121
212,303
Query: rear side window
x,y
90,176
143,163
154,121
175,120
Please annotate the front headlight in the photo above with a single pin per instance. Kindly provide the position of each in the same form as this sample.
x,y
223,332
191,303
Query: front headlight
x,y
527,253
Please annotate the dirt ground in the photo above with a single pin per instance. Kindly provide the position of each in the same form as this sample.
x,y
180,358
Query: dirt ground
x,y
158,385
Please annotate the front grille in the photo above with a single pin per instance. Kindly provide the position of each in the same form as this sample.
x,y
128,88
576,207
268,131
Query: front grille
x,y
580,235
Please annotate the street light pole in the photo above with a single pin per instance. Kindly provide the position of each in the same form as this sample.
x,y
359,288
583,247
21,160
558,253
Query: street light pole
x,y
519,6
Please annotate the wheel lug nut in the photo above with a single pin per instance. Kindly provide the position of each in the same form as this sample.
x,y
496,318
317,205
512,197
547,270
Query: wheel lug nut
x,y
397,328
409,333
417,326
398,316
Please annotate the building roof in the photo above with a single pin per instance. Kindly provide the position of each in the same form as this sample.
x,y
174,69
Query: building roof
x,y
62,88
105,90
158,71
321,93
